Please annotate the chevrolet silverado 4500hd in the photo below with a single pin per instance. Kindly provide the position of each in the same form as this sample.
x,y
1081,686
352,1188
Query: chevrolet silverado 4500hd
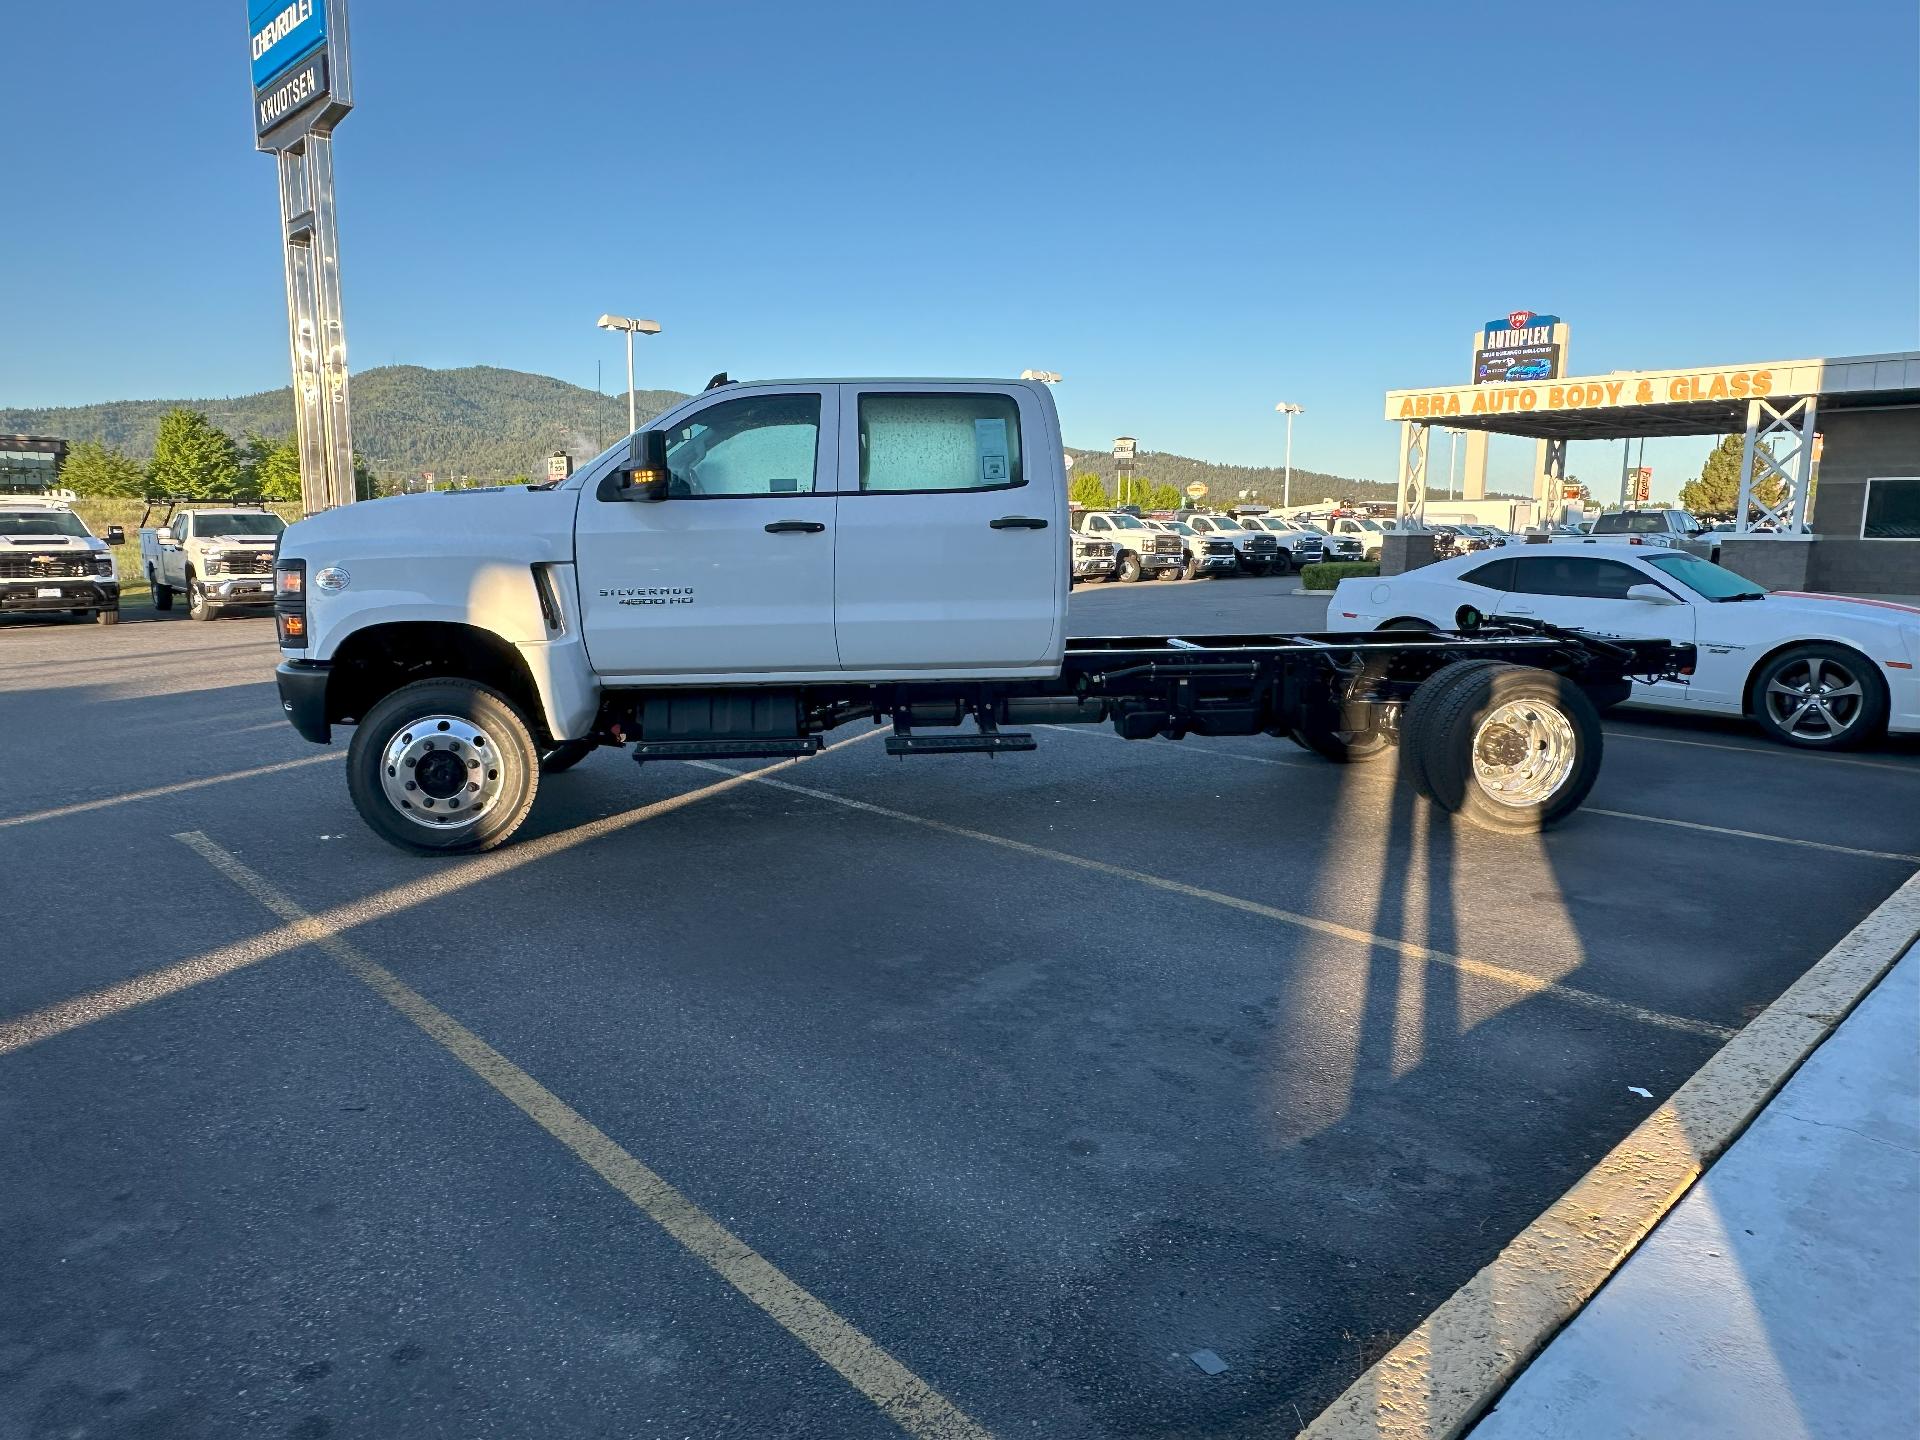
x,y
769,561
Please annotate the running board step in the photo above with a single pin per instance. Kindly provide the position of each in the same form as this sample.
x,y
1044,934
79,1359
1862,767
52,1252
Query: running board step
x,y
645,750
959,744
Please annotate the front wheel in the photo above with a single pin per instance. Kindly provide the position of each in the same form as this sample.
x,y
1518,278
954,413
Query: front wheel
x,y
1129,570
564,755
443,767
1342,747
107,617
1171,572
1820,697
200,605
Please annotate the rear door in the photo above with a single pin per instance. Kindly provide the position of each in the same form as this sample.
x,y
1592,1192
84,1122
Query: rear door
x,y
1588,592
951,552
733,572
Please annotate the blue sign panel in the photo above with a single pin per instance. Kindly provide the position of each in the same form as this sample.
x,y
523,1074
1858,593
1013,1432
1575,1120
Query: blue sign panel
x,y
281,33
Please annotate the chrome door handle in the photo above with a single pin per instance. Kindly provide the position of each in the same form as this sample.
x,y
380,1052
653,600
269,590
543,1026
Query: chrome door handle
x,y
1018,522
805,527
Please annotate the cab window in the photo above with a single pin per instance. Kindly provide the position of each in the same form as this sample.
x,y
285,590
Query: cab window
x,y
1097,523
919,443
1574,575
755,445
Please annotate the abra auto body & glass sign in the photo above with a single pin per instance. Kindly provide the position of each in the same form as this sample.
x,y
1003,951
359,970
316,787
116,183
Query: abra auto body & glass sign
x,y
1678,387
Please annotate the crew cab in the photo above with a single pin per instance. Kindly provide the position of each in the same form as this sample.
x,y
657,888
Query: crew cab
x,y
52,564
1140,551
1258,552
221,557
767,562
1661,529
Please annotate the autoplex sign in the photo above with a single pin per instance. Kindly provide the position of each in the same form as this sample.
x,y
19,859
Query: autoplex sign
x,y
1521,346
281,33
1677,388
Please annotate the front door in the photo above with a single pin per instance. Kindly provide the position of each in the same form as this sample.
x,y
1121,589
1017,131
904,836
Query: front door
x,y
1589,593
733,572
951,555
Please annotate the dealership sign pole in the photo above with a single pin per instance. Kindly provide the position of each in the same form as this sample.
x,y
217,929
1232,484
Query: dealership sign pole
x,y
302,86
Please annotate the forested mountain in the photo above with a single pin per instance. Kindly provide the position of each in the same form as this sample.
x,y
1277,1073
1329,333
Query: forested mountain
x,y
480,422
490,425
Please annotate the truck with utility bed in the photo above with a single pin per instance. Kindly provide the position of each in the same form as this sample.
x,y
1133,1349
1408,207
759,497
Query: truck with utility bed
x,y
52,564
767,562
219,556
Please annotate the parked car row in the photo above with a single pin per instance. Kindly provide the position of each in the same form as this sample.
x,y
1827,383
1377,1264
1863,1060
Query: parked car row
x,y
1130,544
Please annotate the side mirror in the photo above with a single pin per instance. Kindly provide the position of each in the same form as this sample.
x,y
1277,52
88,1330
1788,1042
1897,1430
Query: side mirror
x,y
645,477
116,535
1650,595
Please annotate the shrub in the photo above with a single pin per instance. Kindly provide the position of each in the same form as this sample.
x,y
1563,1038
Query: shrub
x,y
1330,573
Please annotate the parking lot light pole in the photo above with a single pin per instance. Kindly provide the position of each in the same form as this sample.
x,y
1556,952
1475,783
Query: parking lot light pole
x,y
632,327
1286,486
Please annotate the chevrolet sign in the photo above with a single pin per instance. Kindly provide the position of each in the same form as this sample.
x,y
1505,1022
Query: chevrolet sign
x,y
282,33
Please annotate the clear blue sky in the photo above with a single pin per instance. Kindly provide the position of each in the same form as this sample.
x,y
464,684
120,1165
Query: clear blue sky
x,y
1191,211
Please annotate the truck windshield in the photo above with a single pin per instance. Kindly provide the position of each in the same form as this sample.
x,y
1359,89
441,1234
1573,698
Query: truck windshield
x,y
1127,522
251,522
1703,577
1227,522
41,522
1632,522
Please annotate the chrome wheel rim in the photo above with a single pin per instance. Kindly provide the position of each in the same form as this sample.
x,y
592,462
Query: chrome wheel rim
x,y
1815,698
442,773
1523,752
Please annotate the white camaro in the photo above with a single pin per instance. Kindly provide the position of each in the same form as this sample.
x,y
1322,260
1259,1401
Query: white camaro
x,y
1821,671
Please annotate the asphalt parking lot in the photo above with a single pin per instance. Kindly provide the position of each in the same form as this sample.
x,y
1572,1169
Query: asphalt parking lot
x,y
952,1095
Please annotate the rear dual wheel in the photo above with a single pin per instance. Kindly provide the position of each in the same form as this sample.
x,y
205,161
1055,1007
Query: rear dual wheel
x,y
1511,747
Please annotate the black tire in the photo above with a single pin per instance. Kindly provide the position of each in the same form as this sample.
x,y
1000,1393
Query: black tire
x,y
1171,572
1191,570
564,755
1422,705
1464,725
504,733
107,617
1406,623
162,596
1342,747
1855,709
1129,568
1284,565
199,605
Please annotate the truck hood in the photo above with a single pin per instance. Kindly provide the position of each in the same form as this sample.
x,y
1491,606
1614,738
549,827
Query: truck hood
x,y
509,522
50,542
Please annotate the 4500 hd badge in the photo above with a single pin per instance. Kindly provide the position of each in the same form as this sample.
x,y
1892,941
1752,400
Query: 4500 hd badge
x,y
650,595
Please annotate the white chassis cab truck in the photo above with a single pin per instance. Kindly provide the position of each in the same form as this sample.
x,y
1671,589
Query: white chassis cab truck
x,y
770,561
219,557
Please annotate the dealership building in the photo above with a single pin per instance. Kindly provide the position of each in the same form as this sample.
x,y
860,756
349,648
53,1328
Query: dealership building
x,y
30,464
1841,435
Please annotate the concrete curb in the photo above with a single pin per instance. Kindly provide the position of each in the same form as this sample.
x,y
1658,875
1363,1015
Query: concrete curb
x,y
1435,1383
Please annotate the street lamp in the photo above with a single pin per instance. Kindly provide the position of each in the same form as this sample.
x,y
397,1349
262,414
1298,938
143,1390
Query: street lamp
x,y
632,327
1286,493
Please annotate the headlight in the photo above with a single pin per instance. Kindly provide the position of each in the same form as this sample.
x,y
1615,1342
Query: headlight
x,y
103,565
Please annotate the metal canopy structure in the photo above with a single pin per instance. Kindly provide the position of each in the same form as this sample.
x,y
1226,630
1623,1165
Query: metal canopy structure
x,y
1774,403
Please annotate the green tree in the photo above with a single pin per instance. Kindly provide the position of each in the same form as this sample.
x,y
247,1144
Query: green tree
x,y
366,484
1090,490
269,470
193,458
1163,496
1717,490
95,469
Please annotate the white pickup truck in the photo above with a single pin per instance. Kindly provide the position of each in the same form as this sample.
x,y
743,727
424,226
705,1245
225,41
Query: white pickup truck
x,y
1661,529
221,558
52,564
767,562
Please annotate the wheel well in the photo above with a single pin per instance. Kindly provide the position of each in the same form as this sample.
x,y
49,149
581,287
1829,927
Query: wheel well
x,y
372,663
1749,696
1405,622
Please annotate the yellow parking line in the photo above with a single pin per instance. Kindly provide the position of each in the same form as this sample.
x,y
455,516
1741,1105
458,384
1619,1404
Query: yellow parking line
x,y
901,1395
71,1014
180,787
1480,969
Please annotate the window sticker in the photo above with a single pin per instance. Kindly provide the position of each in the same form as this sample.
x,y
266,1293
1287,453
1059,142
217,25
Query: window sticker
x,y
990,449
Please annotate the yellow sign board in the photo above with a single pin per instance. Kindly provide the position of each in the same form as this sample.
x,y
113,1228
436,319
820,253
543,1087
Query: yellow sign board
x,y
1196,490
1671,388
